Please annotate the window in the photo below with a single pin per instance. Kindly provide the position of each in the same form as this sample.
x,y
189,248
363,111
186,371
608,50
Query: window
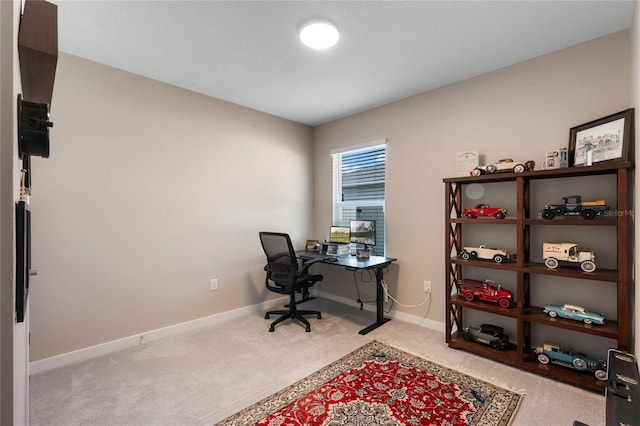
x,y
359,188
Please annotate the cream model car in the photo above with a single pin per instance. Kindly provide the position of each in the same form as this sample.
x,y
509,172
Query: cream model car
x,y
504,165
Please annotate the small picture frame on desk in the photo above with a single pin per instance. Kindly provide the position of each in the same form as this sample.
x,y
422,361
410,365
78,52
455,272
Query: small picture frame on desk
x,y
332,249
312,245
363,254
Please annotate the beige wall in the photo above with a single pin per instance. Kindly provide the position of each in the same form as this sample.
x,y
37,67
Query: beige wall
x,y
520,111
151,191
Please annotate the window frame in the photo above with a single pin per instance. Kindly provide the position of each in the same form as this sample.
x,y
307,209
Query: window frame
x,y
339,205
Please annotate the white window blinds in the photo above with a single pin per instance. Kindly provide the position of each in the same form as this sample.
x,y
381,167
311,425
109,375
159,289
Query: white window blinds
x,y
359,188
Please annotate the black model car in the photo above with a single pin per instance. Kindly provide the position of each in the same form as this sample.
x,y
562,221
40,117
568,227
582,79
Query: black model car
x,y
488,334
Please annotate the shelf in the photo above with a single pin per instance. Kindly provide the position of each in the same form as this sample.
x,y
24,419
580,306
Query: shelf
x,y
507,266
564,221
486,221
569,272
479,305
596,169
535,314
510,357
539,268
526,226
584,380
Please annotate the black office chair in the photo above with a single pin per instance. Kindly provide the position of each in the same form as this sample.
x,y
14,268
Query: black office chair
x,y
286,276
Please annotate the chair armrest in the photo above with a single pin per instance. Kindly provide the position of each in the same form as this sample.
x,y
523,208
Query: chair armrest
x,y
306,265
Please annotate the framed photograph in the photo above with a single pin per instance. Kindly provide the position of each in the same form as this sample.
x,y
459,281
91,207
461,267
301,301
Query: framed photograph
x,y
312,245
605,139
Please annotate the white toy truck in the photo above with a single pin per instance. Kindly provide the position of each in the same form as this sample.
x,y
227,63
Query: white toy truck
x,y
554,253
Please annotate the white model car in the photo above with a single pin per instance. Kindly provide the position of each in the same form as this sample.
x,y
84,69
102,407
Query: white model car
x,y
486,253
504,165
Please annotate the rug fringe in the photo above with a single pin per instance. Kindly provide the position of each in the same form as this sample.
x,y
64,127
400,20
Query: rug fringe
x,y
517,409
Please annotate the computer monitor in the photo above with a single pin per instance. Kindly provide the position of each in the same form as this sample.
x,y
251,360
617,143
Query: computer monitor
x,y
363,232
339,234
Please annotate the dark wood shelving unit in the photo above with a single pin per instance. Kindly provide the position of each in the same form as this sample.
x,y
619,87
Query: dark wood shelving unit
x,y
525,223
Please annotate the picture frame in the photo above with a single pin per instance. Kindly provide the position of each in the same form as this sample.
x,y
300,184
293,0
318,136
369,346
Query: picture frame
x,y
609,138
311,245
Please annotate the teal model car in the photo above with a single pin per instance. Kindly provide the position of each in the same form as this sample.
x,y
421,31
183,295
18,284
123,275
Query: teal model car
x,y
573,312
551,353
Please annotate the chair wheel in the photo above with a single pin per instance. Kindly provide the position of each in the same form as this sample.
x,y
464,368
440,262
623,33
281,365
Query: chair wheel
x,y
308,329
319,316
271,329
266,316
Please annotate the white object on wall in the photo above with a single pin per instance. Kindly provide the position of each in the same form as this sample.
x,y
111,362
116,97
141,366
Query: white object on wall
x,y
467,161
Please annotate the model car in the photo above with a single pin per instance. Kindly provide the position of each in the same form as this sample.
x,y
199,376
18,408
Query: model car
x,y
551,352
567,253
485,290
487,334
484,210
504,165
573,312
574,206
483,252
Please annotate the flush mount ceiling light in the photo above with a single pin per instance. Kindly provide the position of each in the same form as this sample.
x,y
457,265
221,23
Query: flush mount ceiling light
x,y
319,35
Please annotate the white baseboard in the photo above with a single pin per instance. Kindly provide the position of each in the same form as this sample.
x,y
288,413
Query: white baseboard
x,y
411,319
147,336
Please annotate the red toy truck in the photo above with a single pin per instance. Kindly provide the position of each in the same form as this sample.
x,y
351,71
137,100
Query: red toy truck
x,y
485,290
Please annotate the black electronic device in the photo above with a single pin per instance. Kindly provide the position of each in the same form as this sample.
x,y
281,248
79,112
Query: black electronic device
x,y
623,389
33,128
23,252
363,231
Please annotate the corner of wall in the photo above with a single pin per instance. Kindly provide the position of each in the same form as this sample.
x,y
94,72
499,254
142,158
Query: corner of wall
x,y
14,373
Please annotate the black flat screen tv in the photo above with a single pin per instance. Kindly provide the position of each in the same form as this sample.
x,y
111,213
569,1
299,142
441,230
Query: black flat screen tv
x,y
363,232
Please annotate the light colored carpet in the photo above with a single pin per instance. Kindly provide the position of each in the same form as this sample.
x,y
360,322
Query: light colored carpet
x,y
203,377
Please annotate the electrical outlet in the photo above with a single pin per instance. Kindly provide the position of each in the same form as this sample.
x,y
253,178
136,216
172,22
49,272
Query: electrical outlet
x,y
427,287
213,284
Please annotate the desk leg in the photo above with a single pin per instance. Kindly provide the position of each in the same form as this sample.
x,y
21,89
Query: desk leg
x,y
380,319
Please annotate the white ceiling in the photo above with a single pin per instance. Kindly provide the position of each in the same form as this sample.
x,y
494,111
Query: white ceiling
x,y
248,53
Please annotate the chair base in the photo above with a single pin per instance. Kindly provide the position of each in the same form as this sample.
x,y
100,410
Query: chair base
x,y
304,299
297,315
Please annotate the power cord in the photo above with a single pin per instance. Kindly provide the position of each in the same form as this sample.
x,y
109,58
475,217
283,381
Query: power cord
x,y
355,281
387,297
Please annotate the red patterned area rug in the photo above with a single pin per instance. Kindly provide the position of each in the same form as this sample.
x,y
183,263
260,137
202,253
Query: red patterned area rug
x,y
380,385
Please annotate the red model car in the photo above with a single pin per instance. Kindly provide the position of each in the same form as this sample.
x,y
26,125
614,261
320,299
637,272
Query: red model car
x,y
484,210
484,290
